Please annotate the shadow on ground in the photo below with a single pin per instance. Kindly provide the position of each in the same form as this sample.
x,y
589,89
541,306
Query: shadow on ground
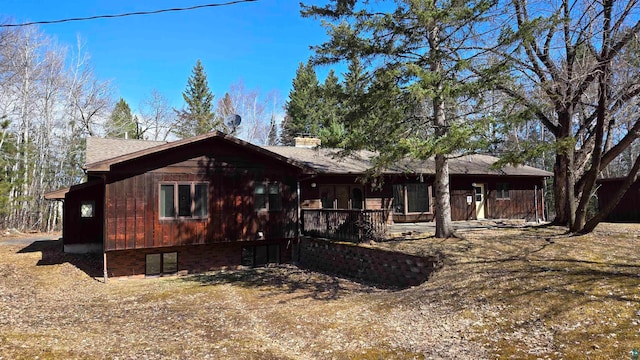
x,y
52,254
288,278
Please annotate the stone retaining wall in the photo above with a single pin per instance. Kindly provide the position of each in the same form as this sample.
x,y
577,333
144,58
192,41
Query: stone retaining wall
x,y
382,267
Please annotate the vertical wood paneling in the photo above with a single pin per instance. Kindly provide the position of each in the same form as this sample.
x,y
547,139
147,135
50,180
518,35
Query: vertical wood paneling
x,y
628,209
120,215
133,208
130,212
111,226
140,208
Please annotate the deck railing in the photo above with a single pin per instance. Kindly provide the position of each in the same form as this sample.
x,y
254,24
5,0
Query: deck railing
x,y
344,225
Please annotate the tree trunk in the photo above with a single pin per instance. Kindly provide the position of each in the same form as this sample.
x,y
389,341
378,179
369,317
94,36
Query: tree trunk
x,y
444,227
560,190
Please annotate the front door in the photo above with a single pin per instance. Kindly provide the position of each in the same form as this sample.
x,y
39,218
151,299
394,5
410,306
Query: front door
x,y
480,200
342,196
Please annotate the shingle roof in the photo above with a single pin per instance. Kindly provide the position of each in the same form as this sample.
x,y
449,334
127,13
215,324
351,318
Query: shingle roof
x,y
101,153
330,162
147,148
99,149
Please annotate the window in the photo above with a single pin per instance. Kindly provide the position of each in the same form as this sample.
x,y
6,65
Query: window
x,y
502,191
184,200
417,198
342,197
267,196
357,198
411,198
327,197
260,255
160,264
87,209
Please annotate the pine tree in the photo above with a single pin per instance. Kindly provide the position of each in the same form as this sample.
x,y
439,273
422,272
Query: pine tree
x,y
273,132
198,116
330,111
425,48
302,106
121,123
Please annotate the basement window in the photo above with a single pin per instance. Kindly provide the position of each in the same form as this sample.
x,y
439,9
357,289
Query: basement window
x,y
161,264
260,255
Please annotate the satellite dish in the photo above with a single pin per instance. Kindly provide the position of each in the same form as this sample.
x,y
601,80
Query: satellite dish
x,y
233,120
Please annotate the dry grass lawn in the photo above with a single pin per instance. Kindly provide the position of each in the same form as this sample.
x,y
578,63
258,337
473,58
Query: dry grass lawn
x,y
515,292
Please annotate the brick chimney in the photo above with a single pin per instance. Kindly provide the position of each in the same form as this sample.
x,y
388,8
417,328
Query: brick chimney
x,y
306,142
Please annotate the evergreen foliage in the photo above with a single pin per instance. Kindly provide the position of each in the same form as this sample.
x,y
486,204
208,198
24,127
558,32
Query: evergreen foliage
x,y
7,153
420,52
273,132
330,113
198,116
303,107
122,123
225,108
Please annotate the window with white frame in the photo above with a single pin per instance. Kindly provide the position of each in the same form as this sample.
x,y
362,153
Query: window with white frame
x,y
411,198
87,209
267,196
184,200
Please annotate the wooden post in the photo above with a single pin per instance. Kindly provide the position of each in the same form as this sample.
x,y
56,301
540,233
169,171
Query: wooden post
x,y
104,267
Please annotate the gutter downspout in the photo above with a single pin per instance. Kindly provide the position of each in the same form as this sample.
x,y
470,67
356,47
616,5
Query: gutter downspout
x,y
298,222
104,229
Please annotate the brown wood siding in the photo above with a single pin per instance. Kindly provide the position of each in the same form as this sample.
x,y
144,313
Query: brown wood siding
x,y
373,198
628,209
460,210
521,203
132,198
78,230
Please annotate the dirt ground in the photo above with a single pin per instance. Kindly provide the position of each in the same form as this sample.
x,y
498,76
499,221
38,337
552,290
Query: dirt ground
x,y
514,291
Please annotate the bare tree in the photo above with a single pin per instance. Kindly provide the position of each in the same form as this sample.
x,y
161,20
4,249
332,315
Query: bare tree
x,y
253,107
157,117
41,104
574,57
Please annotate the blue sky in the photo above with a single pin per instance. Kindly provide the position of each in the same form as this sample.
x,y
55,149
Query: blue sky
x,y
259,43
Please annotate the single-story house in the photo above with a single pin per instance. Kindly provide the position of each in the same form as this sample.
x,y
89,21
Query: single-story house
x,y
214,201
478,191
628,209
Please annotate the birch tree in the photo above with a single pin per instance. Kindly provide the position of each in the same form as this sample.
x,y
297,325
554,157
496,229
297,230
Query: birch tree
x,y
157,119
39,139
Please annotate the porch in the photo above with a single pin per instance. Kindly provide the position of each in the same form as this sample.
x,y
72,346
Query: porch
x,y
353,225
364,225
